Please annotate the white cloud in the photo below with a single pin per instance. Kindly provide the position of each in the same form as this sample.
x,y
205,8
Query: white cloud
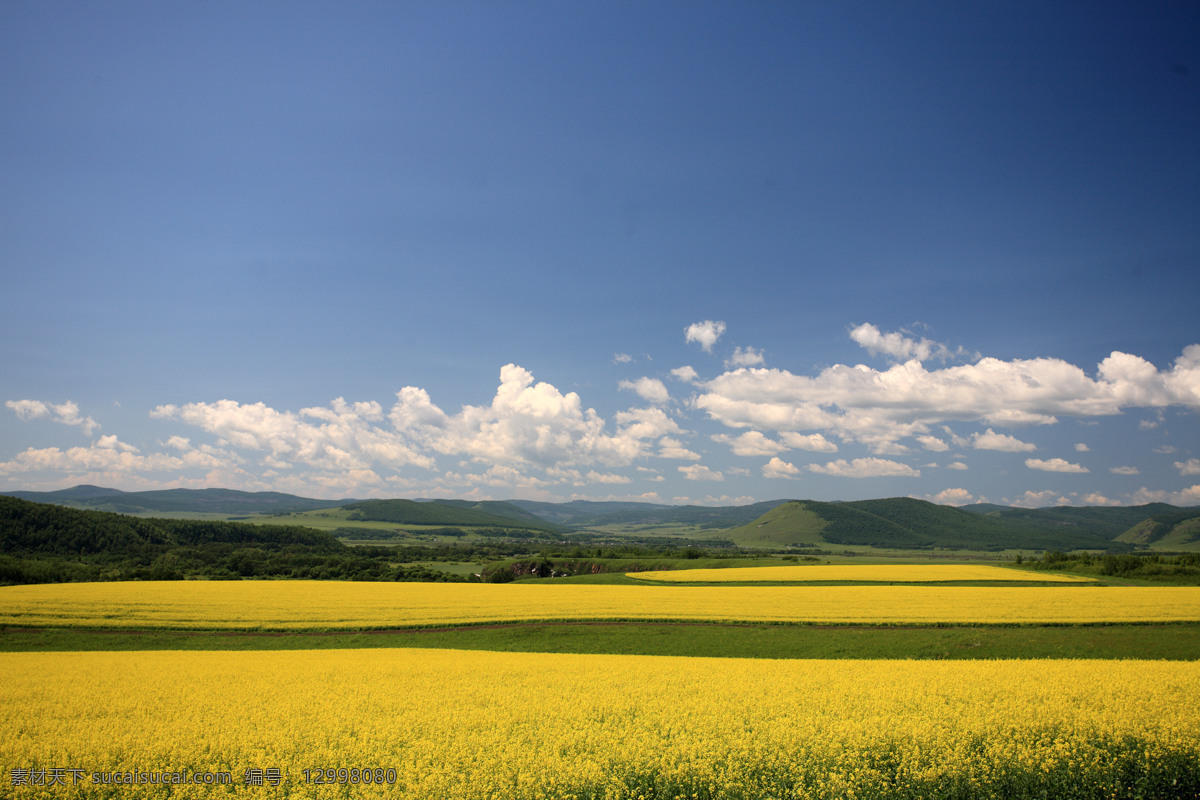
x,y
343,436
699,472
813,442
750,443
648,474
685,374
649,389
1189,467
63,413
753,443
865,468
957,465
778,468
1040,499
645,423
111,442
953,497
112,460
879,408
748,357
673,448
1080,447
1165,449
1124,470
622,358
704,333
1054,465
932,443
1187,497
899,346
990,440
596,477
1097,499
526,423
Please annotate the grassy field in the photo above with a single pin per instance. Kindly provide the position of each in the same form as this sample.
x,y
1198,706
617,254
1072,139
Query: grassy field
x,y
1179,641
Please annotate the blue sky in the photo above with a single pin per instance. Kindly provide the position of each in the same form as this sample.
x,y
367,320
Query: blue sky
x,y
698,252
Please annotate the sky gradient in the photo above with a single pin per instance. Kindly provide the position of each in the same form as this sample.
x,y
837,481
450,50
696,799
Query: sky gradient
x,y
683,253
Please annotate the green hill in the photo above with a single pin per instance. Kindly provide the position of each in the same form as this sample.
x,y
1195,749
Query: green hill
x,y
906,523
47,543
582,513
439,512
1106,521
1178,530
791,523
209,501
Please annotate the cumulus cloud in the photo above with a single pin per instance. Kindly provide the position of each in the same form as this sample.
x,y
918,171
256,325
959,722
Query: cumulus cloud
x,y
1080,447
1054,465
990,440
957,465
1189,467
649,389
933,444
899,345
754,443
1042,499
751,443
748,357
778,468
704,333
111,458
597,477
953,497
673,448
881,407
526,423
622,358
865,468
342,436
813,442
685,374
63,413
1186,497
1097,499
1124,470
699,472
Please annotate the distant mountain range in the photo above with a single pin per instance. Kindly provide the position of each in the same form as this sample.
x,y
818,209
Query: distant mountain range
x,y
212,501
894,523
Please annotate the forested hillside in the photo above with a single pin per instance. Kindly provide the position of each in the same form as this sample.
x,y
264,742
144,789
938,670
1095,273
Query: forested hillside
x,y
907,523
49,543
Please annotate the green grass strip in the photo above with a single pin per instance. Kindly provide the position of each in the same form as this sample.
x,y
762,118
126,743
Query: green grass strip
x,y
1179,641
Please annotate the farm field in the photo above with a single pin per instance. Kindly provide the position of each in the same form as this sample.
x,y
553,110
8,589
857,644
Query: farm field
x,y
874,573
329,605
454,724
312,689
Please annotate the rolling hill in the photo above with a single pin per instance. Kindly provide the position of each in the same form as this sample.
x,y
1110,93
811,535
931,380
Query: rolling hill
x,y
166,501
898,522
907,523
451,512
1177,529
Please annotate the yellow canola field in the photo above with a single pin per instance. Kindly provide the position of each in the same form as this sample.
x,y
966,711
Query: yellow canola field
x,y
281,605
461,724
894,573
